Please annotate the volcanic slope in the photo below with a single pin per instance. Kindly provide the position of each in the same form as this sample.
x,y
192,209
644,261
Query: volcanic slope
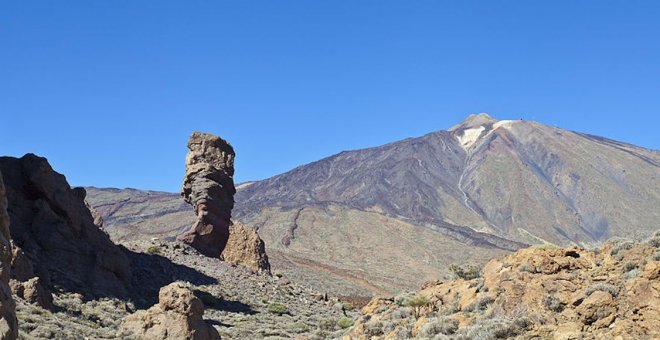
x,y
389,217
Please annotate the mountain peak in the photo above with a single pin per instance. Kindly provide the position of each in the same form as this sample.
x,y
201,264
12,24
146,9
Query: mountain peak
x,y
474,120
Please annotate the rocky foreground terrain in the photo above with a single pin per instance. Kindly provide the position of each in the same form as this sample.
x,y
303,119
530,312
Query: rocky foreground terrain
x,y
238,302
612,292
534,293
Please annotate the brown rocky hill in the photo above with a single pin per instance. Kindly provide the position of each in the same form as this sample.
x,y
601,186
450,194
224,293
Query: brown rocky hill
x,y
390,217
55,233
612,292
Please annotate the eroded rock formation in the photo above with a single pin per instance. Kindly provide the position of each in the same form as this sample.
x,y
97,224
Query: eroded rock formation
x,y
209,187
246,248
8,324
56,232
178,315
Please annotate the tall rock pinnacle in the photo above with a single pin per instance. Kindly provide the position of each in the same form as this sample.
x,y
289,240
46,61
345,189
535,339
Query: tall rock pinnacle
x,y
209,187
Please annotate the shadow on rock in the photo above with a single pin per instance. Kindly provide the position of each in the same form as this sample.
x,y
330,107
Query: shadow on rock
x,y
151,272
212,302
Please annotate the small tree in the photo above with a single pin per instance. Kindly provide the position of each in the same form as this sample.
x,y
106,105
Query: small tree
x,y
418,302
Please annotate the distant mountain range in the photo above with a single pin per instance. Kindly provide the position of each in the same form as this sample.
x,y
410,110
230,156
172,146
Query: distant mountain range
x,y
387,218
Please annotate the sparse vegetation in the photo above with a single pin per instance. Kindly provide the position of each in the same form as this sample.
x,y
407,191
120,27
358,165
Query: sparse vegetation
x,y
442,325
605,287
654,241
374,328
467,272
480,305
153,250
496,328
400,313
526,267
631,274
629,266
454,307
552,303
327,324
402,298
545,246
619,245
298,327
277,308
344,322
656,256
347,306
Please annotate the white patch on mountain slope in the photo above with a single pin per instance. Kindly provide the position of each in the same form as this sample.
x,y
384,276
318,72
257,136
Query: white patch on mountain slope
x,y
243,185
502,123
469,136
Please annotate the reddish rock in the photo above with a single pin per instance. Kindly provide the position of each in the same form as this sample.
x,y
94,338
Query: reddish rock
x,y
208,186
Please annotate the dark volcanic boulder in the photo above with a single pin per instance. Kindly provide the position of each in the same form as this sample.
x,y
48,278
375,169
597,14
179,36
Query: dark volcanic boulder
x,y
8,324
56,231
209,187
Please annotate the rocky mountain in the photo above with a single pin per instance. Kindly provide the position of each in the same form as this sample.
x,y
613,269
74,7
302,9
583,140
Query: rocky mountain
x,y
387,218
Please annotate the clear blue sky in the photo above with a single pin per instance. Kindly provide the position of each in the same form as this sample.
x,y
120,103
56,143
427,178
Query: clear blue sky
x,y
109,91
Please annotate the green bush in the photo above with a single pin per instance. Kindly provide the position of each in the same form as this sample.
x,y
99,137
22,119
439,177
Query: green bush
x,y
277,308
344,322
153,250
467,272
417,301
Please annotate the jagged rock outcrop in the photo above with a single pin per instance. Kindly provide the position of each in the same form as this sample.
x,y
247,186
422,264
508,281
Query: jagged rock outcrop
x,y
208,186
535,293
178,315
8,323
25,284
246,248
56,232
32,291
